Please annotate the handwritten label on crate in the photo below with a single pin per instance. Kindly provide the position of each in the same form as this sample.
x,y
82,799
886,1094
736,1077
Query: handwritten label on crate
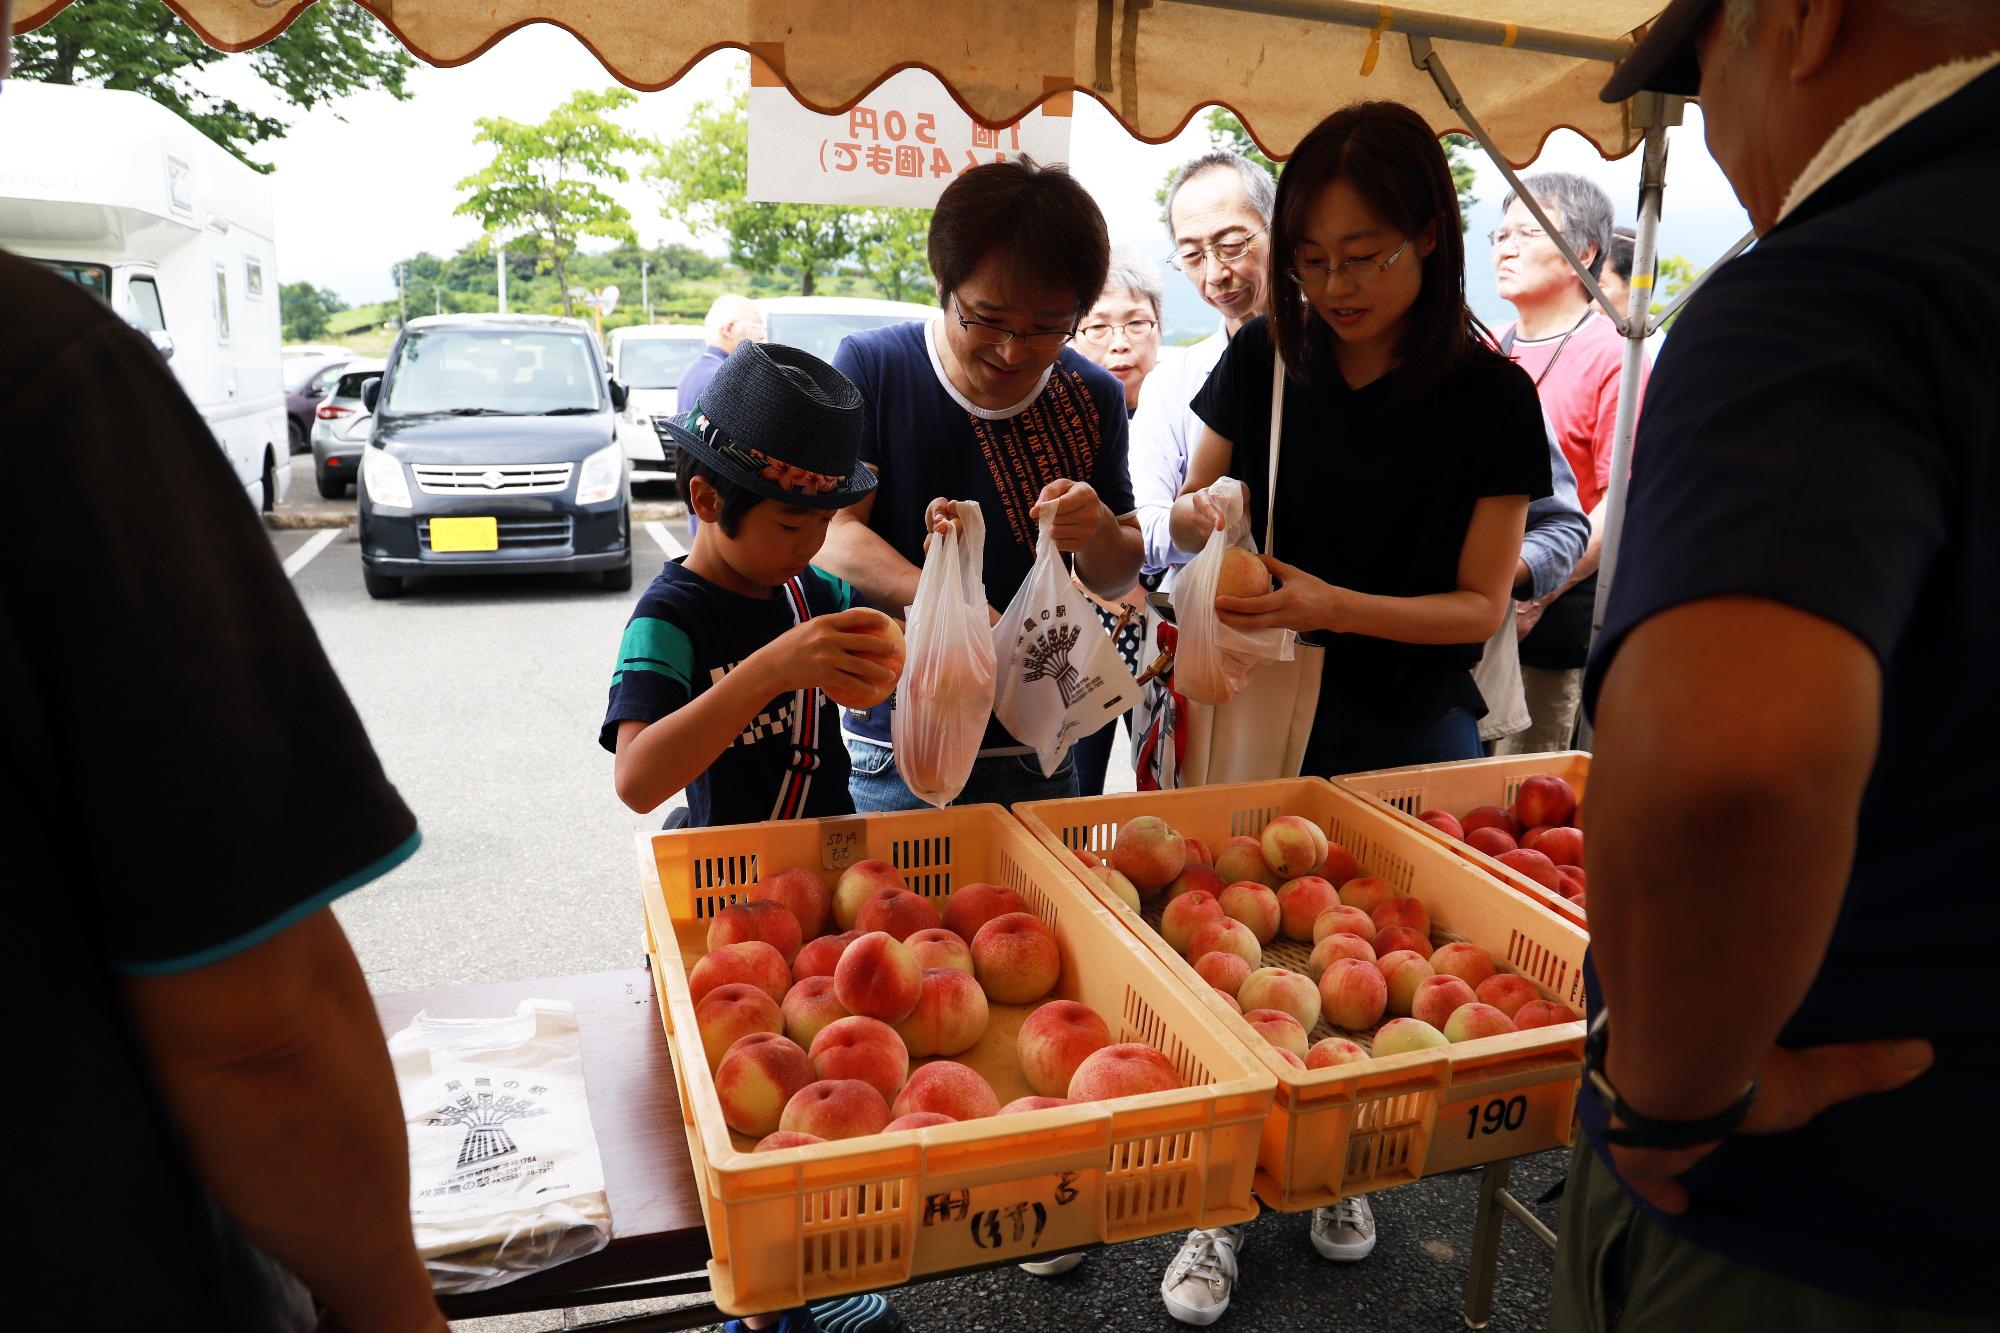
x,y
1504,1124
842,842
1017,1217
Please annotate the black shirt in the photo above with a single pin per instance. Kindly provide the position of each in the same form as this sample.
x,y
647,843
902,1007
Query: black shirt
x,y
1377,496
1822,431
185,779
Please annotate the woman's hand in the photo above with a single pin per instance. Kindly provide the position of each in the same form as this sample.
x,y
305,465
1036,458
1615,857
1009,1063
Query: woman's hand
x,y
1194,515
1300,602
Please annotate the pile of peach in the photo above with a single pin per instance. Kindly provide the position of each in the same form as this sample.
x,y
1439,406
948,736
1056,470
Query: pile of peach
x,y
811,1034
1541,836
1371,947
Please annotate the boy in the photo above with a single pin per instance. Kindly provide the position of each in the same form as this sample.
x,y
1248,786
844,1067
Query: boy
x,y
721,678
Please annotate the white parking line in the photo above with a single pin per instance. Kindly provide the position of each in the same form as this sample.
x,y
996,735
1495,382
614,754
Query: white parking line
x,y
667,541
316,543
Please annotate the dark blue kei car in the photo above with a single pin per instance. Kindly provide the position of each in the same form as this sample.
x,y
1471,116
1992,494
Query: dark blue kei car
x,y
493,451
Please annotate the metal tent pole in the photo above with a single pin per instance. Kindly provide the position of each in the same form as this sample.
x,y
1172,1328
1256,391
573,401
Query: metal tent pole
x,y
1417,23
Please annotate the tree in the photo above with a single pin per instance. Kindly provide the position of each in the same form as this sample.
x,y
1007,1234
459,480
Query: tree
x,y
331,50
703,178
893,249
539,188
304,310
1457,147
1676,273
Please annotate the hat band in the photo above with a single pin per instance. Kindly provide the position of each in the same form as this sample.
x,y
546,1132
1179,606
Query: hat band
x,y
785,476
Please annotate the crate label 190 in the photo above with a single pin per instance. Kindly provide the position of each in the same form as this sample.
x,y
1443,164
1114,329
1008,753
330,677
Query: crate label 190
x,y
1489,1128
1001,1219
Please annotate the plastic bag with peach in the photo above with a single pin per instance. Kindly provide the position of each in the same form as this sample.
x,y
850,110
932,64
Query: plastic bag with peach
x,y
1214,661
946,693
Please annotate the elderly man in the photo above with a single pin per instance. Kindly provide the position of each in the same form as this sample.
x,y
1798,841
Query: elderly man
x,y
731,320
1800,642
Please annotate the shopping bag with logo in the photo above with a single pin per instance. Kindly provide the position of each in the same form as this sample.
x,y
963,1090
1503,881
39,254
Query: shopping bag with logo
x,y
946,693
1215,660
504,1174
1061,677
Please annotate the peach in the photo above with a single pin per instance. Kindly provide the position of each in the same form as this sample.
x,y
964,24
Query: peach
x,y
1352,994
1437,996
1282,989
1243,858
973,905
1468,962
1403,982
1339,865
1577,902
757,1076
1534,865
1016,959
1395,938
857,884
1148,853
1402,912
1469,1022
863,1048
1492,841
1336,947
732,1011
1544,800
759,919
1256,907
1293,846
1562,845
1279,1028
1032,1104
1301,901
949,1088
1489,816
1573,880
1196,876
1086,856
818,957
1387,963
1340,919
1197,852
809,1007
1541,1014
1223,971
918,1120
1529,837
891,655
1121,888
800,891
1507,992
1055,1039
1224,997
939,947
1124,1070
878,977
785,1138
950,1016
1288,1057
1330,1051
753,962
1365,893
1183,914
1400,1036
1242,574
1444,823
1222,935
836,1108
896,912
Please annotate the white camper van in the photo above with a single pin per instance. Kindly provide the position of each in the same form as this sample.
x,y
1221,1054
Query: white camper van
x,y
126,199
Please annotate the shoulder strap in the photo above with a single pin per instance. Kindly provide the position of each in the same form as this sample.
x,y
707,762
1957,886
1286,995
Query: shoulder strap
x,y
1507,344
1277,432
792,792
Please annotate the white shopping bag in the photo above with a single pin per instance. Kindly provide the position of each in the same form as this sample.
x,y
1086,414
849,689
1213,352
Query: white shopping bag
x,y
1214,661
504,1174
1060,675
946,693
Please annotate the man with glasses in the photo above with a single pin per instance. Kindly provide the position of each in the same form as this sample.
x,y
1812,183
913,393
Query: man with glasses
x,y
988,402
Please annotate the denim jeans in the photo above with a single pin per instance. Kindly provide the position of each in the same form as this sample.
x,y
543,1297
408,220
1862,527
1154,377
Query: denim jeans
x,y
1002,779
1355,741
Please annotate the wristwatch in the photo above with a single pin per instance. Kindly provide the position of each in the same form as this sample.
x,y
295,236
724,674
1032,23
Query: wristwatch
x,y
1644,1131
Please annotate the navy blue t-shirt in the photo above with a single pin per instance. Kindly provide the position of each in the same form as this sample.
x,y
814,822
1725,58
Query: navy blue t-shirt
x,y
924,442
684,636
1822,432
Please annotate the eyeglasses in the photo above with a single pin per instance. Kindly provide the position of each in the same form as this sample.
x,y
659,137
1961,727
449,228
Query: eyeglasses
x,y
1510,235
1195,259
1135,330
1360,272
994,336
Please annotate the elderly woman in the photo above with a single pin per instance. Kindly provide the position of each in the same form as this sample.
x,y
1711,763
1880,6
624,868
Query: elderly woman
x,y
1122,331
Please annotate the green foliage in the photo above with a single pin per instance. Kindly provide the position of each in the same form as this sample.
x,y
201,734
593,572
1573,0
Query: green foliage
x,y
1458,149
1674,274
539,191
304,310
331,50
893,249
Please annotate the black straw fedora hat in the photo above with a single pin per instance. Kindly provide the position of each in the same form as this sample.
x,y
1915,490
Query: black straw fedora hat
x,y
780,423
1663,61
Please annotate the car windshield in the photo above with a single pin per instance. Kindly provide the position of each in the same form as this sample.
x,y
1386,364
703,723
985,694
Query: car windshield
x,y
656,363
507,372
93,278
298,374
820,334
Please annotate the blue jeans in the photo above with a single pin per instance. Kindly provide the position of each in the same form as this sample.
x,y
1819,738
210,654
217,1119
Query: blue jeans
x,y
1355,741
875,784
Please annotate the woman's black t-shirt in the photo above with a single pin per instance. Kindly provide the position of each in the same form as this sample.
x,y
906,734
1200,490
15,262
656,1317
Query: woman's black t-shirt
x,y
1376,496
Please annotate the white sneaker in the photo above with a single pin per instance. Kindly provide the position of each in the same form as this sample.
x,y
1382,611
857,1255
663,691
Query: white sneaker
x,y
1344,1232
1062,1263
1198,1282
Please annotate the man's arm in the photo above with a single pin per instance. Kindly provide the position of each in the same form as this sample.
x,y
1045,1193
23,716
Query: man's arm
x,y
1558,532
1109,565
1159,463
274,1067
856,552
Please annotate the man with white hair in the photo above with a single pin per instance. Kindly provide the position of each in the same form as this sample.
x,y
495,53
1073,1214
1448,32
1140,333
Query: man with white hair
x,y
731,320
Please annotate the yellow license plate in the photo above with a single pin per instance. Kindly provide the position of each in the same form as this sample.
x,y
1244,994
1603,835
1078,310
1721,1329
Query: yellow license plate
x,y
465,534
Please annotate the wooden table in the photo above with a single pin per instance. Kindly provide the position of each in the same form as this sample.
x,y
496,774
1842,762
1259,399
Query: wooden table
x,y
658,1240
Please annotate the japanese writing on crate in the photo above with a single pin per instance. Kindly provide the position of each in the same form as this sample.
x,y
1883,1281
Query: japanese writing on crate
x,y
892,143
841,847
1014,1224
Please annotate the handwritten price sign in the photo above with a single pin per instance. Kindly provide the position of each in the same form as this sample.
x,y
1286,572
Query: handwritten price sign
x,y
899,148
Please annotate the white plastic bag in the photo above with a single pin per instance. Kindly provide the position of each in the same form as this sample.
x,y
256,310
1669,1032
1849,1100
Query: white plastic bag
x,y
1061,677
1213,661
504,1173
946,693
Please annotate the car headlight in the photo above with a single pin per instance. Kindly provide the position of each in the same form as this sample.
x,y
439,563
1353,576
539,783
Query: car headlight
x,y
602,476
382,477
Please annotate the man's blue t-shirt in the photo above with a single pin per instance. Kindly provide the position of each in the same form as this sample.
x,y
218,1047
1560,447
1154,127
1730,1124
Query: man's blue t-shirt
x,y
684,636
924,440
696,377
1823,431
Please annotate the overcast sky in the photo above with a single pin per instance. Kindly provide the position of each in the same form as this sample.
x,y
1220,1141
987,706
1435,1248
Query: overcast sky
x,y
357,190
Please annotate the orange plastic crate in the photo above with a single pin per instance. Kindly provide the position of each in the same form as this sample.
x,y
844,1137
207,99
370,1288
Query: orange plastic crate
x,y
1381,1122
1459,787
800,1224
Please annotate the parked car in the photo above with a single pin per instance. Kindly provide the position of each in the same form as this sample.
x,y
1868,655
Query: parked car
x,y
307,380
816,324
300,351
649,359
493,450
340,428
